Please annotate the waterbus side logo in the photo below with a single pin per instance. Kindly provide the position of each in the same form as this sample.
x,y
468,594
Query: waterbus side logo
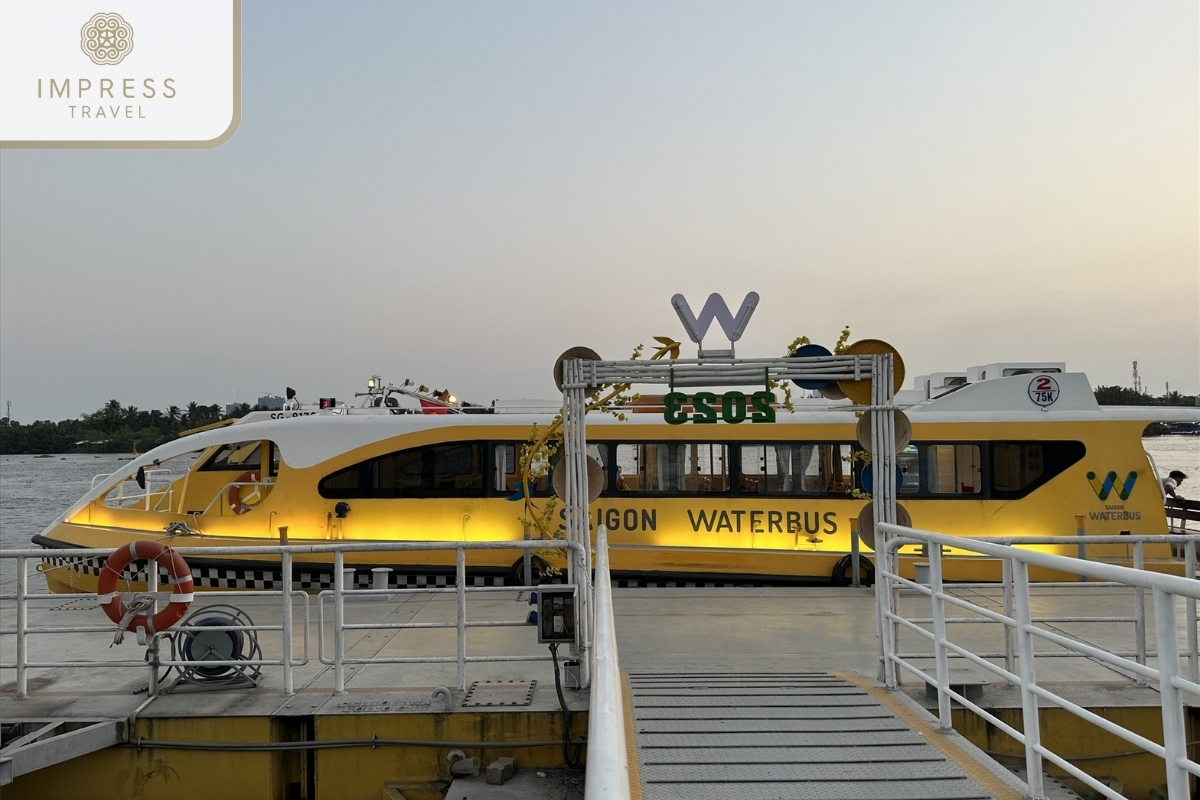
x,y
1104,488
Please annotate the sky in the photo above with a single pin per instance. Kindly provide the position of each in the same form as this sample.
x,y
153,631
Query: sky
x,y
456,193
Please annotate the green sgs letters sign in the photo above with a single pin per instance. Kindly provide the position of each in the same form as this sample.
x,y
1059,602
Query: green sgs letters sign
x,y
734,407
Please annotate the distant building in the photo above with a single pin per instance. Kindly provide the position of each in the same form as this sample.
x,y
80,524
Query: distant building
x,y
232,408
271,402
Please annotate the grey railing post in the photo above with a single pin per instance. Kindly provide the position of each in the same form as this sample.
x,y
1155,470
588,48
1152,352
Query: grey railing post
x,y
1171,696
1139,611
285,570
1029,708
339,619
1010,645
1081,548
1189,571
939,638
22,626
460,581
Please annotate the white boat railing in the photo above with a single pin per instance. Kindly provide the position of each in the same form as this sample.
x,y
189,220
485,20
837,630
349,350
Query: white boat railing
x,y
218,499
121,499
1020,624
288,598
608,758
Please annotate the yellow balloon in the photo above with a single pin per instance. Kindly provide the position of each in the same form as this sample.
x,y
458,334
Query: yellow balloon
x,y
860,391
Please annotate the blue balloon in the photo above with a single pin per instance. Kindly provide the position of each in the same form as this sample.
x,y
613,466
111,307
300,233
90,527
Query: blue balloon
x,y
811,351
867,480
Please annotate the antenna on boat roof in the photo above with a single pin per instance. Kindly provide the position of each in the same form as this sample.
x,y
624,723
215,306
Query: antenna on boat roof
x,y
1137,379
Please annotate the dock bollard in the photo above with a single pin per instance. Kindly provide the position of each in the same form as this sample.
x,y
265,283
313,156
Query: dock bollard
x,y
379,580
379,577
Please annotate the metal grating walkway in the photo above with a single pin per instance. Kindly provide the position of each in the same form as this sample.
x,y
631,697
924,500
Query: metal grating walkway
x,y
781,736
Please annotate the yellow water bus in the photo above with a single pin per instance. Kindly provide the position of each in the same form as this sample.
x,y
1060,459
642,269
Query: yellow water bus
x,y
733,503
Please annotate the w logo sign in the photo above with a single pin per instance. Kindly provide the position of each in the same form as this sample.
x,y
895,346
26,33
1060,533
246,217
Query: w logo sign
x,y
715,309
1104,488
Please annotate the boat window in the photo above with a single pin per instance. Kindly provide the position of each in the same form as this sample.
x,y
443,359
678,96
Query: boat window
x,y
507,466
672,467
1020,467
236,456
940,470
795,468
504,471
445,470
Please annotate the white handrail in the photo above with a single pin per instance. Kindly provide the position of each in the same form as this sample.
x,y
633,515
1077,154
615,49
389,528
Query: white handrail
x,y
608,758
1018,619
22,630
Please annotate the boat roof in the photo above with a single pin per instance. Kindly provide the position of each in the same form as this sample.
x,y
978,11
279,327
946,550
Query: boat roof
x,y
308,440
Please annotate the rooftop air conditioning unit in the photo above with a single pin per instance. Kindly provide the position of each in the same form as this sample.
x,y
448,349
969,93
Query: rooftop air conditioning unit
x,y
1007,369
941,382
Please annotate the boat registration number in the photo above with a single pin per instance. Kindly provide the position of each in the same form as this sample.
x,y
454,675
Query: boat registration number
x,y
1043,390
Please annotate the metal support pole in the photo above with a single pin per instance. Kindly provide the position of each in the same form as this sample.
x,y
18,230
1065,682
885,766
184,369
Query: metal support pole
x,y
1139,611
939,638
576,501
460,585
527,561
854,569
152,585
1010,645
22,626
339,620
285,573
1029,709
883,469
1171,696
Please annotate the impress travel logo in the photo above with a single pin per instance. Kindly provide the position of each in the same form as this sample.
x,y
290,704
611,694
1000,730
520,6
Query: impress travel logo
x,y
107,39
71,76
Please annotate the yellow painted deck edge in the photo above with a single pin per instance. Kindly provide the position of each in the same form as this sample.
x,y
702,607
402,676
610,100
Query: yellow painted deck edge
x,y
932,734
635,773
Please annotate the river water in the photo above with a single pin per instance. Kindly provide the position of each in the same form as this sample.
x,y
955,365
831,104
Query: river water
x,y
33,489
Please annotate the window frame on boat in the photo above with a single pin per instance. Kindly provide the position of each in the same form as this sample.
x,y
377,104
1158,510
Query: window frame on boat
x,y
214,463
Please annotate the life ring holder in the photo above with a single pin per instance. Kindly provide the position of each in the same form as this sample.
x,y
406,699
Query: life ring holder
x,y
235,491
182,587
842,571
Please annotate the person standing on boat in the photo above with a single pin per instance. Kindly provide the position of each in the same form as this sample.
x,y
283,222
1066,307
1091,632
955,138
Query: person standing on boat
x,y
1171,483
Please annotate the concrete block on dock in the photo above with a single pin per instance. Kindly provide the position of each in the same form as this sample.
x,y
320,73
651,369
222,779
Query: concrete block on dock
x,y
501,770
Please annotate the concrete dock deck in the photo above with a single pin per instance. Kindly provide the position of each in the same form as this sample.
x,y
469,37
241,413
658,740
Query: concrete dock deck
x,y
749,635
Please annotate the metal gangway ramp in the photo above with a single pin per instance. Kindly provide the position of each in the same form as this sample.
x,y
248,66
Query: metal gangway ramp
x,y
814,735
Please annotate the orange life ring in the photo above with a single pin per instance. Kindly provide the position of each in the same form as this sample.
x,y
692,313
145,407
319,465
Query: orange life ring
x,y
181,585
235,491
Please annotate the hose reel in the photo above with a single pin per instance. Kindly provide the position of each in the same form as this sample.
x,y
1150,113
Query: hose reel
x,y
205,635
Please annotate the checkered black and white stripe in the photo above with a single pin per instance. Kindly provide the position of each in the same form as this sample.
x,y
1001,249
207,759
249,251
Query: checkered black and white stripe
x,y
242,578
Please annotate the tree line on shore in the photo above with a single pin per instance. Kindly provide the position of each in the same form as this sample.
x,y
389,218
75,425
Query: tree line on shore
x,y
114,428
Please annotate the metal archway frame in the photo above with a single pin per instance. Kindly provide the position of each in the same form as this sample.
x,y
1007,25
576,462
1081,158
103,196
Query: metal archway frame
x,y
579,375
